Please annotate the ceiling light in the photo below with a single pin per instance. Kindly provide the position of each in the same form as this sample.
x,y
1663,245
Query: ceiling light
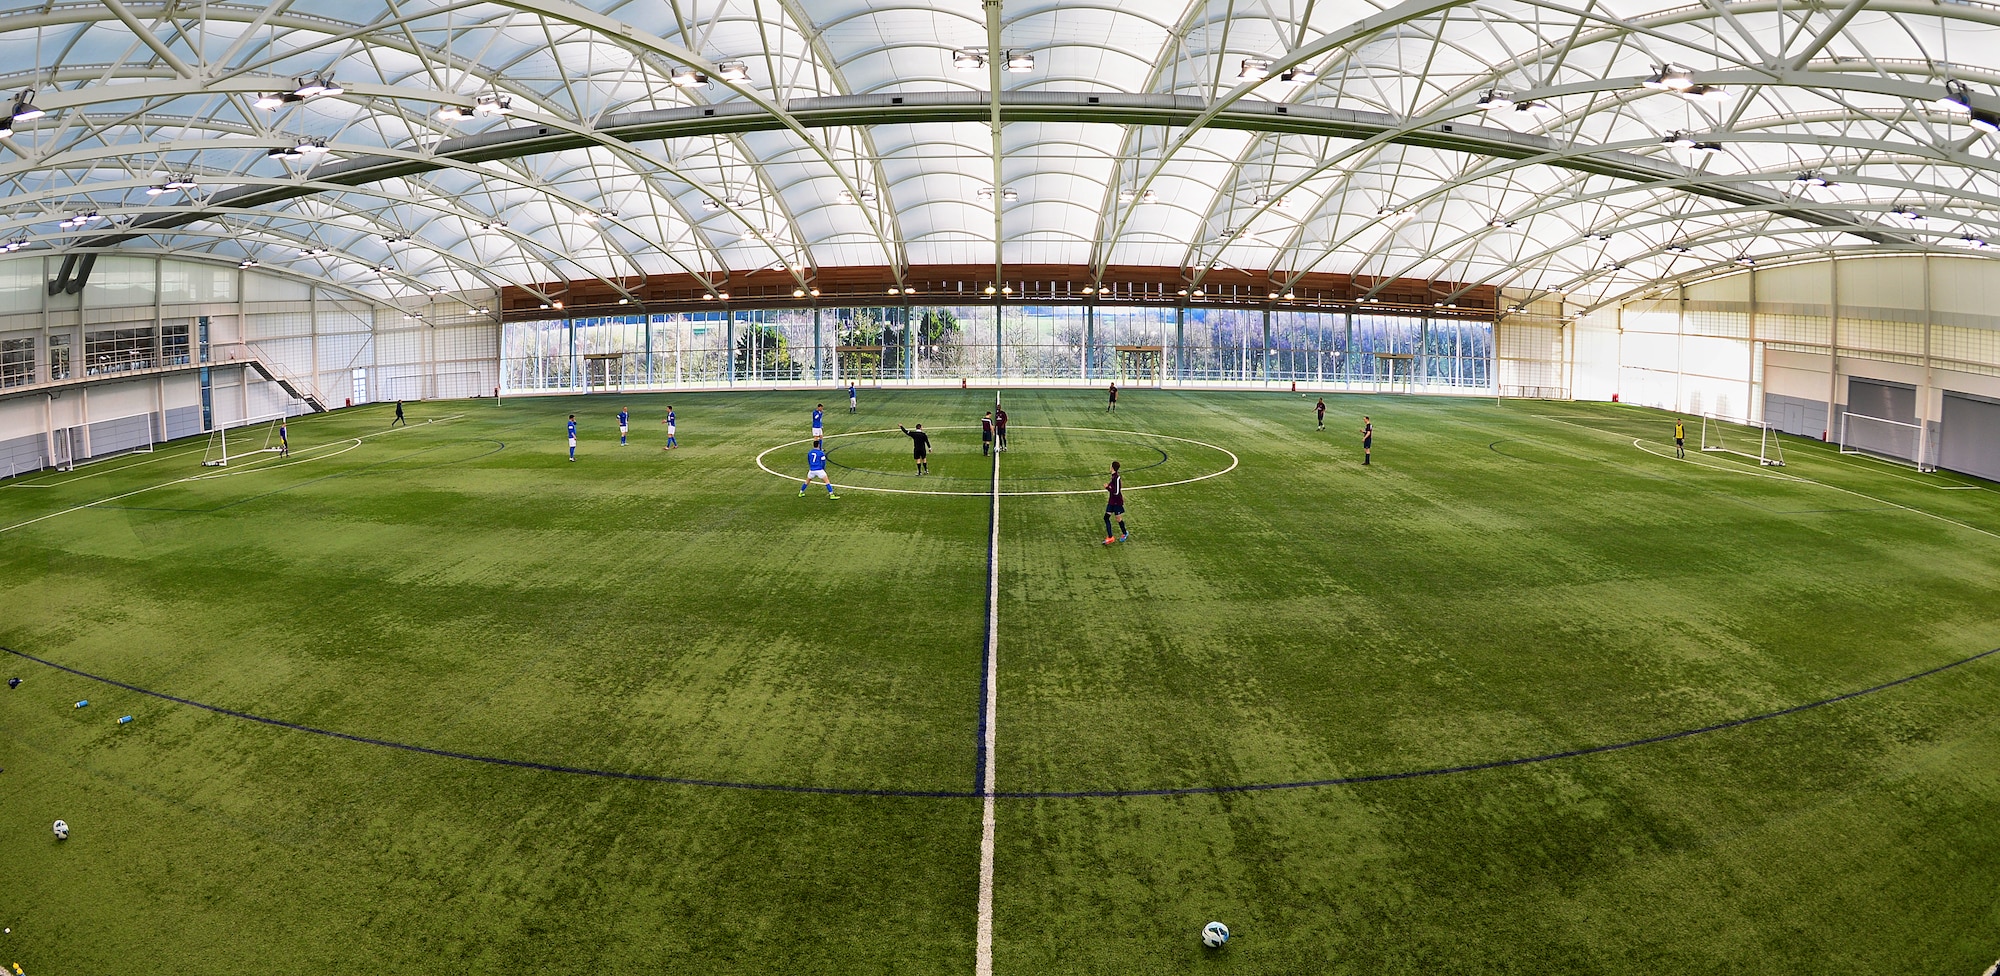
x,y
711,203
1289,295
968,59
732,71
1985,121
1020,61
1009,289
1299,76
798,293
986,193
1183,293
317,86
1707,147
1971,242
1499,222
24,109
1810,178
453,113
1532,106
1677,248
990,289
1495,100
687,78
1089,290
556,304
1670,77
846,197
624,301
1679,139
1149,197
1124,196
1957,95
814,292
1254,69
271,101
722,295
493,104
1009,196
1746,260
1907,214
1706,93
1597,235
893,290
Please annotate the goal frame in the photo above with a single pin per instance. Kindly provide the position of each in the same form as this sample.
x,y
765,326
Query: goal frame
x,y
1917,432
1770,443
217,454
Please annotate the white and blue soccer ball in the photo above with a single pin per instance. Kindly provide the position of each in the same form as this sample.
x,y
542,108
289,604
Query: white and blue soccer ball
x,y
1215,935
62,830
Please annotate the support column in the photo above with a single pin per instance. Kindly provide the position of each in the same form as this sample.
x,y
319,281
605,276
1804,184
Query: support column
x,y
1089,340
729,344
1930,384
1180,344
1832,352
1754,410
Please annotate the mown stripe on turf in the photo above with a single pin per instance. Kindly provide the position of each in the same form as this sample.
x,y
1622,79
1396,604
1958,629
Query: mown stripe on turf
x,y
1022,794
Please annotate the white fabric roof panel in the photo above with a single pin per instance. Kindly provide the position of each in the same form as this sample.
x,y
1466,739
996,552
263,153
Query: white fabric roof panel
x,y
1842,93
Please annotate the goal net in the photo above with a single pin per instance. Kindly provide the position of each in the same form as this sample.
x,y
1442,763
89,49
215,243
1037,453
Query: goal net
x,y
1884,440
1758,442
256,436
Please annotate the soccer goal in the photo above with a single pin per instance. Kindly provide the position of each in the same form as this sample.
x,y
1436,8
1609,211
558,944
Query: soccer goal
x,y
225,445
1721,435
1884,440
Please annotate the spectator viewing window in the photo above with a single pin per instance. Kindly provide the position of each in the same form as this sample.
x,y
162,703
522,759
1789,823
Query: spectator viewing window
x,y
17,362
59,357
117,350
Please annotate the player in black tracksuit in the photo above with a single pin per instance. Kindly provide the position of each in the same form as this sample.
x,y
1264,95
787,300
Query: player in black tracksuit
x,y
920,442
986,434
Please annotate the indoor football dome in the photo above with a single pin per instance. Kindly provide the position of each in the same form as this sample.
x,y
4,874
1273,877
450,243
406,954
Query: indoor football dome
x,y
1559,443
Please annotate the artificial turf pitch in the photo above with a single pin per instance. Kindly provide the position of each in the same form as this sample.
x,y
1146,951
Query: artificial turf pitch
x,y
1507,580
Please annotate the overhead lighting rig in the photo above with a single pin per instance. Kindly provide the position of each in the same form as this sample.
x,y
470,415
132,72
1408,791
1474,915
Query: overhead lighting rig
x,y
304,148
304,88
23,110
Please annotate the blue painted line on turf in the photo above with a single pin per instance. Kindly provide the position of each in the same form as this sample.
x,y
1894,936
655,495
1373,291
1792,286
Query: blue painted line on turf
x,y
981,793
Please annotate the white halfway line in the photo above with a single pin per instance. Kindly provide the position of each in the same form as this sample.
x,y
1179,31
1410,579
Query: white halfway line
x,y
983,951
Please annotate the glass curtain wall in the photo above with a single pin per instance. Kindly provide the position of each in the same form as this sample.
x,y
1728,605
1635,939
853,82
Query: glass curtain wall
x,y
1054,344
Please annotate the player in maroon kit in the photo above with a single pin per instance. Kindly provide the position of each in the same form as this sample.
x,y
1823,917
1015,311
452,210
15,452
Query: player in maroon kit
x,y
1114,504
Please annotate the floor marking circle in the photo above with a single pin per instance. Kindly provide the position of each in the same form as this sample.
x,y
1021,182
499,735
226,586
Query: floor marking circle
x,y
1233,462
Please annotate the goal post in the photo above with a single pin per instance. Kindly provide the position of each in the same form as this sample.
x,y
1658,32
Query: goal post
x,y
1728,436
1894,441
225,446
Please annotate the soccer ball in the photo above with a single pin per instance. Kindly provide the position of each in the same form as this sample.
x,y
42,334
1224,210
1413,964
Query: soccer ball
x,y
62,830
1215,935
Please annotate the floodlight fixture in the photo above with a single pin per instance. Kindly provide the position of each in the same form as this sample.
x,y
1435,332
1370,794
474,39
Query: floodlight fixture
x,y
1985,121
1020,61
1746,261
1598,235
317,86
1670,77
1957,96
986,193
1677,249
1908,213
687,78
24,109
732,71
1706,93
1679,139
710,203
968,59
1707,147
1009,195
1006,289
1089,290
1496,100
798,293
990,289
1972,242
1254,69
1812,179
493,103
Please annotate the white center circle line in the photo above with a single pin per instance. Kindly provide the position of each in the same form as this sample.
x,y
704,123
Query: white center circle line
x,y
1233,462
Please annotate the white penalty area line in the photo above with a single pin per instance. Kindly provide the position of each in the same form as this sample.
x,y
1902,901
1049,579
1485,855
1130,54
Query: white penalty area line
x,y
989,715
345,444
1739,469
1233,462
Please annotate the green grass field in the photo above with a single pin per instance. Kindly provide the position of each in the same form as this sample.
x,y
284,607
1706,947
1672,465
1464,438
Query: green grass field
x,y
1506,581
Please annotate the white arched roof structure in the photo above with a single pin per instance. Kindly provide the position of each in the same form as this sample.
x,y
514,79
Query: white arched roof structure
x,y
1498,142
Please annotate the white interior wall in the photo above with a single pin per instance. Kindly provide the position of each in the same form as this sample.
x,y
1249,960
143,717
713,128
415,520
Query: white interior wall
x,y
1780,344
313,336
